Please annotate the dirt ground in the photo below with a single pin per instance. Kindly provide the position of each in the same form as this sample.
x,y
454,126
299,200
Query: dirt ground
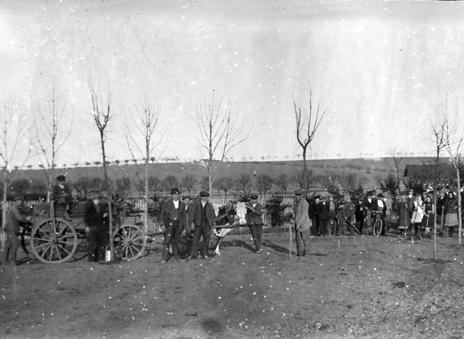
x,y
348,286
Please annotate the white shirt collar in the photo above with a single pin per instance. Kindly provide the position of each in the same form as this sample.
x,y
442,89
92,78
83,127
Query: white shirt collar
x,y
176,203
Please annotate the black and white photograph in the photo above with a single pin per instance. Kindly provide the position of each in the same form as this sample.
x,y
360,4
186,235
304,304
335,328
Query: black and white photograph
x,y
189,169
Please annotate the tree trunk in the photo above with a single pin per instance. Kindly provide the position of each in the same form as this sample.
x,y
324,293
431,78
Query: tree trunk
x,y
108,194
434,211
210,177
147,159
4,207
437,161
304,172
458,174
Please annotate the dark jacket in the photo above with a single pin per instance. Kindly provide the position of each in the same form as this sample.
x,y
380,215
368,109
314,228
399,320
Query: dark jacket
x,y
169,210
195,216
62,195
96,213
14,218
254,214
312,209
323,210
451,205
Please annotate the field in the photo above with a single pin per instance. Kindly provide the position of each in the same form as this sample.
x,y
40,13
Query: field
x,y
348,286
367,171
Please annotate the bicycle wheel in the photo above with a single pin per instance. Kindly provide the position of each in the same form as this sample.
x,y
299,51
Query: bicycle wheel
x,y
377,227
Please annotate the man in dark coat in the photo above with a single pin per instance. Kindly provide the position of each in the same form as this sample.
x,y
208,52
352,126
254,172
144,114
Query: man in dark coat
x,y
312,211
202,219
62,197
360,214
323,213
14,218
96,219
254,219
173,219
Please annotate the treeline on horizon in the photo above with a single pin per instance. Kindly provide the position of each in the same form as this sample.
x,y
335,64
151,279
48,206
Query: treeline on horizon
x,y
242,178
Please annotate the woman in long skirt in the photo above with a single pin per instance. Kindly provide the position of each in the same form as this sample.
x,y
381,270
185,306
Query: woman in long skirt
x,y
451,213
417,214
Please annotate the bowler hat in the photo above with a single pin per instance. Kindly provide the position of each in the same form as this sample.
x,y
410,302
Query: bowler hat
x,y
175,190
253,197
61,178
298,192
204,194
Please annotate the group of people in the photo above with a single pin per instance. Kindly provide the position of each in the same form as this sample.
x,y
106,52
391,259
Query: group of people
x,y
186,223
414,212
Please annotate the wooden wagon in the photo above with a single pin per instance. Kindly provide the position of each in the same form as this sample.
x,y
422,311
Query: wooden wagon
x,y
54,238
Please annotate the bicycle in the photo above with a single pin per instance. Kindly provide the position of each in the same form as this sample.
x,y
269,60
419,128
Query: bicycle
x,y
374,219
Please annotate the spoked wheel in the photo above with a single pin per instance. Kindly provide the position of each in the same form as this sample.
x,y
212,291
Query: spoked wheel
x,y
130,242
53,241
377,227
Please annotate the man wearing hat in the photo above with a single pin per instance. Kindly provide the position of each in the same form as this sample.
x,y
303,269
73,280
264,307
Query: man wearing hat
x,y
62,198
202,219
96,219
173,219
312,210
323,215
255,221
302,222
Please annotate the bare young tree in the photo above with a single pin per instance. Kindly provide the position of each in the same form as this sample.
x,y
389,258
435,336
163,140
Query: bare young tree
x,y
243,184
188,182
397,159
220,132
145,122
307,123
454,144
263,184
102,114
52,129
224,184
439,139
14,147
283,182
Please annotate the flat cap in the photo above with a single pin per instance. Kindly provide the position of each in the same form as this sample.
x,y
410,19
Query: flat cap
x,y
204,194
61,178
254,196
298,191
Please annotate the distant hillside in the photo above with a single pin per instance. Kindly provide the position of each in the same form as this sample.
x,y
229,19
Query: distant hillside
x,y
368,169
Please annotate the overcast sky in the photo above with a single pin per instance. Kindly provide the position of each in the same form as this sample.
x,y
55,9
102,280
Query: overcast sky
x,y
380,69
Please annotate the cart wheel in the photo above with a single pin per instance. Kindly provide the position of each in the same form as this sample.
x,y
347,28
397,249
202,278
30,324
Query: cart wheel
x,y
377,227
130,242
53,241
